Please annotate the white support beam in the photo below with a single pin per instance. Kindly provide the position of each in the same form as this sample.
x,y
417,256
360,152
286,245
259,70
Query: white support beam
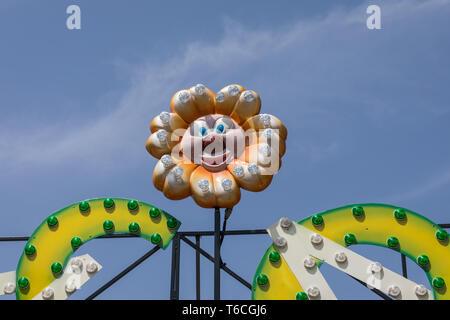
x,y
7,283
345,260
307,273
77,272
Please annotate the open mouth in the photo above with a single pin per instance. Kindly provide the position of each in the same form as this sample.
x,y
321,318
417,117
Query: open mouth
x,y
215,160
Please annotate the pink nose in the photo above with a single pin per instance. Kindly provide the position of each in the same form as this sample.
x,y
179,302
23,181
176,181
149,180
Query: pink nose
x,y
208,140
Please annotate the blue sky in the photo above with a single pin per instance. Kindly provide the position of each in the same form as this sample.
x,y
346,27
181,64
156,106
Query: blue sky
x,y
367,111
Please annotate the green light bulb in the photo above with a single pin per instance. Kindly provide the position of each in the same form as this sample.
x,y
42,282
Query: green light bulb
x,y
154,212
76,242
400,214
108,225
317,219
56,267
155,238
350,238
132,205
392,242
262,279
108,203
23,283
30,249
84,206
274,256
133,227
423,260
358,211
52,221
301,296
172,222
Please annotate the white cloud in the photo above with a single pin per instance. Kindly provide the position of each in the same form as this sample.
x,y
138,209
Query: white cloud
x,y
241,53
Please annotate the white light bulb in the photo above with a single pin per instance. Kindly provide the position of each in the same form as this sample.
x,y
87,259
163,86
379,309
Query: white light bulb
x,y
313,292
165,117
394,291
9,288
421,290
309,263
227,184
316,238
76,265
203,184
340,257
375,267
280,242
91,267
285,223
48,293
70,286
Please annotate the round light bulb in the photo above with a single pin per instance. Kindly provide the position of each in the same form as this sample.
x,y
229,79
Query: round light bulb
x,y
394,291
280,242
285,223
48,293
309,263
313,292
421,290
340,257
316,239
9,288
91,267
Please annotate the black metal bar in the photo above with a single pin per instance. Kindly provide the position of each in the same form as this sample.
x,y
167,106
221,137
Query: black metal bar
x,y
124,272
217,261
175,278
8,239
184,233
223,266
375,290
227,233
444,225
404,270
197,269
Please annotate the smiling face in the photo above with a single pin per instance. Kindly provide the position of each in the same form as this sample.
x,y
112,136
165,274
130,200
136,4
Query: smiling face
x,y
213,141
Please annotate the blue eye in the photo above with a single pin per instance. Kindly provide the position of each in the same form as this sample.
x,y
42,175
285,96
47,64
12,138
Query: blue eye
x,y
203,131
220,128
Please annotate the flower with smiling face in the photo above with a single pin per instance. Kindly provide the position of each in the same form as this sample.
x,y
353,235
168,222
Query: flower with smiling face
x,y
209,146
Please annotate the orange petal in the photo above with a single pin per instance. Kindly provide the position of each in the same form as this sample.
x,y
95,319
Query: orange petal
x,y
248,104
167,121
183,104
159,143
203,99
255,179
202,188
263,121
177,182
227,97
226,189
162,168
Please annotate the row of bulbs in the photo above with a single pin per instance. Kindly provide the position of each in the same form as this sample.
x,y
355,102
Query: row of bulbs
x,y
340,257
70,286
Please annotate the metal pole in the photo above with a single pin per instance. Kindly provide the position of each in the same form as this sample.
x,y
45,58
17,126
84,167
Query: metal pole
x,y
175,277
197,268
211,258
217,253
404,271
123,273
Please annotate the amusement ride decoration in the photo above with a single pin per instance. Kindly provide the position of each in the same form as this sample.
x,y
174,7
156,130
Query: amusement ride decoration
x,y
209,147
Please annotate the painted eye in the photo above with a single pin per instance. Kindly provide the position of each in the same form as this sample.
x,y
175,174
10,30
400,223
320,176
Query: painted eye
x,y
203,131
220,128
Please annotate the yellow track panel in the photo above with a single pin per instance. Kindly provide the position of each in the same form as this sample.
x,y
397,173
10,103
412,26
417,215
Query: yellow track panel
x,y
56,239
383,225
